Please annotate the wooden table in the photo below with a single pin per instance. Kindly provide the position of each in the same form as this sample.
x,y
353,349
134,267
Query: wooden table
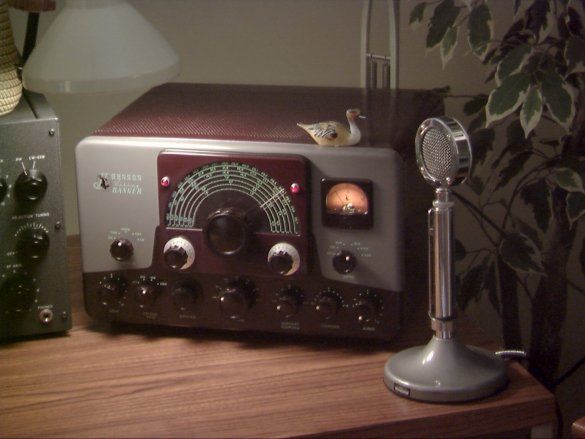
x,y
99,381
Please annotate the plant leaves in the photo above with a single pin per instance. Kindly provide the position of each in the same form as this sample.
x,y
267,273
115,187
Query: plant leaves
x,y
575,55
582,257
443,18
528,230
448,45
513,168
558,97
417,15
475,105
482,141
540,19
459,251
515,137
521,254
513,62
471,285
567,179
575,206
481,30
477,122
531,111
490,284
537,195
476,184
506,98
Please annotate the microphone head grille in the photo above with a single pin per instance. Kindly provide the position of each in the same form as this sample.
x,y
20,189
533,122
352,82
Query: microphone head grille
x,y
443,151
437,154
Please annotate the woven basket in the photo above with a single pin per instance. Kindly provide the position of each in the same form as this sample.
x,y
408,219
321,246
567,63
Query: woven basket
x,y
10,83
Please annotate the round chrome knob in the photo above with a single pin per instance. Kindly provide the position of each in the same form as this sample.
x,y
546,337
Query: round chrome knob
x,y
179,253
284,259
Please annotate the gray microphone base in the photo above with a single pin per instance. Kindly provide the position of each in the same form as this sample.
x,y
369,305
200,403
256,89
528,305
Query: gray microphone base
x,y
445,370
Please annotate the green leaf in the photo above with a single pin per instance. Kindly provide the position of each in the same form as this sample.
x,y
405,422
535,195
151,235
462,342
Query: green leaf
x,y
481,30
521,254
476,184
528,230
506,98
567,179
448,45
513,169
537,195
531,111
459,250
558,97
515,138
471,285
513,62
417,14
575,55
575,206
475,105
482,141
490,283
443,18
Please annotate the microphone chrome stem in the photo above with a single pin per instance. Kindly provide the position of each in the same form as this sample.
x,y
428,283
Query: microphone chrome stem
x,y
441,265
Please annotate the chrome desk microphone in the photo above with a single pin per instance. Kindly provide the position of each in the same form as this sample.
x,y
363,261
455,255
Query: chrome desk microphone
x,y
444,370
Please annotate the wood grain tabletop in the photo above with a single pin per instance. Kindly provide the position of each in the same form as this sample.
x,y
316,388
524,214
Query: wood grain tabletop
x,y
125,381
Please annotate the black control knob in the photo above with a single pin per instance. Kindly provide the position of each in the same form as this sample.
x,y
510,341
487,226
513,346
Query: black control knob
x,y
185,296
179,253
328,304
32,244
344,262
18,292
284,259
227,231
3,189
288,302
30,185
145,294
236,299
367,307
111,290
121,249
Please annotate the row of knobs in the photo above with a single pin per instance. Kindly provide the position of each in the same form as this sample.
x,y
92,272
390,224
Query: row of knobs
x,y
29,186
237,297
18,290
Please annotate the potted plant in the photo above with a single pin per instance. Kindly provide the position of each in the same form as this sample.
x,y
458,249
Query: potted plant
x,y
537,104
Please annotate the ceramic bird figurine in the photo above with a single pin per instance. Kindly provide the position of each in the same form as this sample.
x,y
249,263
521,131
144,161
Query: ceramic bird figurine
x,y
333,133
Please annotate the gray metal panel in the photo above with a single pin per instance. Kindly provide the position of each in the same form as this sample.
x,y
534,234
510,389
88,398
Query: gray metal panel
x,y
30,135
134,213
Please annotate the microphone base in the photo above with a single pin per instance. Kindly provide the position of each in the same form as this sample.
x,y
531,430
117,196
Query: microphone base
x,y
445,370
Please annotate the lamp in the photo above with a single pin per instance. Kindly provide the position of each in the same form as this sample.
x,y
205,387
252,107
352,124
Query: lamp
x,y
96,46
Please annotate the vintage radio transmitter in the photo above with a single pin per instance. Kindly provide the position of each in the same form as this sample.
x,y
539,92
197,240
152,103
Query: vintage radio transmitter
x,y
206,206
34,296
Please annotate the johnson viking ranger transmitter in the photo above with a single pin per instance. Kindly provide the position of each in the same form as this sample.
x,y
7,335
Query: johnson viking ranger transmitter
x,y
207,206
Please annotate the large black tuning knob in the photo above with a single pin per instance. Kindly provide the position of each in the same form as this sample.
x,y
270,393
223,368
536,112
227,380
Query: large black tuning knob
x,y
3,189
367,307
344,262
185,296
30,185
32,244
227,231
288,301
236,298
17,292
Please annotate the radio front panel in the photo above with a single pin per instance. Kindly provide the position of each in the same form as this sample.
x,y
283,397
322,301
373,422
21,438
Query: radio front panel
x,y
276,237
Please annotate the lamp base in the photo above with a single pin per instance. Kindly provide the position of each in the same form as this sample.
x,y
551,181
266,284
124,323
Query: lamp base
x,y
445,370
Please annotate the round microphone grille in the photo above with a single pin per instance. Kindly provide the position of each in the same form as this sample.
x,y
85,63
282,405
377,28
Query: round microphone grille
x,y
438,154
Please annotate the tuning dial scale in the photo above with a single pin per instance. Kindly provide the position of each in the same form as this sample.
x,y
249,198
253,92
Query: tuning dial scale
x,y
32,242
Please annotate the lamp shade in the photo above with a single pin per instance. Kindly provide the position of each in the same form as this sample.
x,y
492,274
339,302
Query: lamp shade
x,y
96,46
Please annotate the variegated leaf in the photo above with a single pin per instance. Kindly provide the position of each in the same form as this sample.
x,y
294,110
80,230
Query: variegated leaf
x,y
567,179
443,18
506,98
575,206
575,55
448,45
521,254
558,97
531,111
481,30
417,15
547,26
513,62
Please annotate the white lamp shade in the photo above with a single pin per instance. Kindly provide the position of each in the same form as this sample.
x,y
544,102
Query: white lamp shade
x,y
96,46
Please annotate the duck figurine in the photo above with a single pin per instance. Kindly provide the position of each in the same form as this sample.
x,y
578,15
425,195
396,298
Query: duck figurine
x,y
333,133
